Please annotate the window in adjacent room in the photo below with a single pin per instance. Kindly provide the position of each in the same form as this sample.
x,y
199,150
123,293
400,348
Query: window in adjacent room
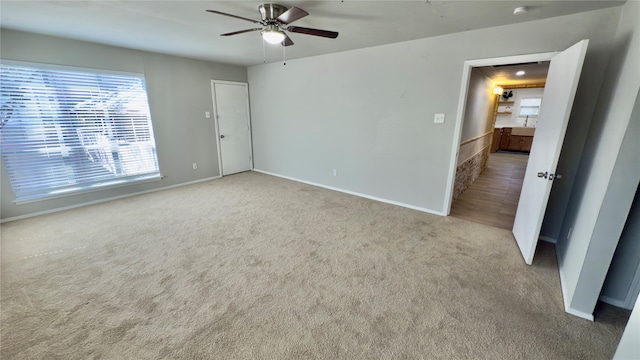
x,y
68,130
530,106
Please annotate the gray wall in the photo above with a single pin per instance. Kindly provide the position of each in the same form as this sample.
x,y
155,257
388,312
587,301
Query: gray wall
x,y
369,113
626,259
628,347
179,92
608,175
476,133
478,116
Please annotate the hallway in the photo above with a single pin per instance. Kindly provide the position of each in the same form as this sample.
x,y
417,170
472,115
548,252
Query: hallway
x,y
493,198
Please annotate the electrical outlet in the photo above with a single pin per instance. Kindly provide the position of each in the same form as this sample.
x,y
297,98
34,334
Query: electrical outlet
x,y
195,166
335,172
438,119
207,114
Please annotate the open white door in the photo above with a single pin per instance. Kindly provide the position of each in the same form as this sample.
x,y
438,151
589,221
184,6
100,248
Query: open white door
x,y
231,102
557,101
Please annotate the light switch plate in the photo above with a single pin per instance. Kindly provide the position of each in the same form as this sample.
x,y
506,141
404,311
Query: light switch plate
x,y
438,119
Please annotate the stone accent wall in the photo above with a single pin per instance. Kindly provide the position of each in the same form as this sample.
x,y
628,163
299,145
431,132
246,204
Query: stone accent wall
x,y
468,171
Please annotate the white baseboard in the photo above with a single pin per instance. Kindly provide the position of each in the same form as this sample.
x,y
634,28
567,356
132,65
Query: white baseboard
x,y
580,314
392,202
104,200
548,239
567,306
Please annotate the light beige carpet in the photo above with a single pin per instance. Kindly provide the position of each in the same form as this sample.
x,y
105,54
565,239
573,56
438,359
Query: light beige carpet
x,y
256,267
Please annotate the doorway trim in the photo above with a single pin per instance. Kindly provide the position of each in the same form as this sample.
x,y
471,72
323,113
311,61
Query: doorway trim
x,y
462,101
217,126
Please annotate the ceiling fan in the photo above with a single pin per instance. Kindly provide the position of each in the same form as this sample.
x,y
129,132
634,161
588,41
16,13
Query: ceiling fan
x,y
275,21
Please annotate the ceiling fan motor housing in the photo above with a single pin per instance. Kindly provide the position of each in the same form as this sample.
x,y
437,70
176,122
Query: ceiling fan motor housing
x,y
269,12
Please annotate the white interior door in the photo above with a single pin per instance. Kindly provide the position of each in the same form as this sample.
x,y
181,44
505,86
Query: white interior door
x,y
231,102
557,101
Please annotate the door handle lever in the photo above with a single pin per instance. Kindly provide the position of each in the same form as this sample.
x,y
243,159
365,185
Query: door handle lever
x,y
543,174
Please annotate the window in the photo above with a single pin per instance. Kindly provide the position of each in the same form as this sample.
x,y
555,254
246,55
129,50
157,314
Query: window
x,y
530,106
71,130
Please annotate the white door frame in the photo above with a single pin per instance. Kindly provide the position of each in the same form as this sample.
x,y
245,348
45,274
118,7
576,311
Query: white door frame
x,y
464,87
217,127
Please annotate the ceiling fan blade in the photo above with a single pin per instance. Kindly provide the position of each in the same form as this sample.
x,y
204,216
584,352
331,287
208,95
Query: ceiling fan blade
x,y
240,32
291,15
315,32
287,40
234,16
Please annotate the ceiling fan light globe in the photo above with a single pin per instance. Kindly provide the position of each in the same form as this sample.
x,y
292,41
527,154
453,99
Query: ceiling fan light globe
x,y
273,36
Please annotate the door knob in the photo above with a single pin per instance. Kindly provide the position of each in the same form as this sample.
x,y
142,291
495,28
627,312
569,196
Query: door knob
x,y
543,174
221,136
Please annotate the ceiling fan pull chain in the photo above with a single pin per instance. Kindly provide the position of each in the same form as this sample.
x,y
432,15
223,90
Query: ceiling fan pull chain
x,y
264,52
284,55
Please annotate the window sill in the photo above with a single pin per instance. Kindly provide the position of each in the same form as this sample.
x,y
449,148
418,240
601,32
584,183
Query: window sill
x,y
71,192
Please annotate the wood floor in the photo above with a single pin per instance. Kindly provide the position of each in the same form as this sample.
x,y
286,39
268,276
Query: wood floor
x,y
493,198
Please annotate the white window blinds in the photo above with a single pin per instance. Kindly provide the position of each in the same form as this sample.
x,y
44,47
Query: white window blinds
x,y
65,131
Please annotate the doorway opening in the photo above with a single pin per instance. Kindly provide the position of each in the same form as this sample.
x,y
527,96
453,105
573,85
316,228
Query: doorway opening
x,y
541,171
501,112
463,107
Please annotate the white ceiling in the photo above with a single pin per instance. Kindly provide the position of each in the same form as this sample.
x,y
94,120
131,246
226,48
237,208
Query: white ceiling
x,y
534,73
184,28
